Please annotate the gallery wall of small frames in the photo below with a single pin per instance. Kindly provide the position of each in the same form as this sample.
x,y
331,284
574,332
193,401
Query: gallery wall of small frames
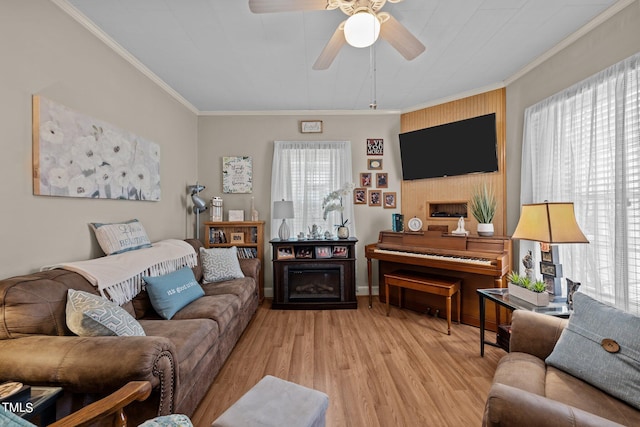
x,y
370,189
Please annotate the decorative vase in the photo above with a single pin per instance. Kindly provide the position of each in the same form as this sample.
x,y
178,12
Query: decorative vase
x,y
343,232
485,230
539,299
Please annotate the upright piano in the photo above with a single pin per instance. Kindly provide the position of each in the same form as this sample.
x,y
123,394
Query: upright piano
x,y
481,262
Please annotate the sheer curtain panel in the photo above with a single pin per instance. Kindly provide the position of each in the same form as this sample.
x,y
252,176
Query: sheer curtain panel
x,y
582,145
306,172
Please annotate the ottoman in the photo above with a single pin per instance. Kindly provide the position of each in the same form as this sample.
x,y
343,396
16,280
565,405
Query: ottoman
x,y
275,402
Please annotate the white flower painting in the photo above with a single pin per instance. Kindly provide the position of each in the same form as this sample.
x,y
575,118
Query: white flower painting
x,y
75,155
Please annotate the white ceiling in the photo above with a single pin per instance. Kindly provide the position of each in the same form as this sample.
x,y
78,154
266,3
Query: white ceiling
x,y
219,56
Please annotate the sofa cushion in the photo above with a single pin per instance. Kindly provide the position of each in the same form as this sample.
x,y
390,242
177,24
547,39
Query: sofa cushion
x,y
220,264
220,308
173,291
121,237
90,316
600,345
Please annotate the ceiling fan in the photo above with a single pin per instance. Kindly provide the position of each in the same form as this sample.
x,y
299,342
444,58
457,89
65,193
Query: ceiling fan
x,y
376,24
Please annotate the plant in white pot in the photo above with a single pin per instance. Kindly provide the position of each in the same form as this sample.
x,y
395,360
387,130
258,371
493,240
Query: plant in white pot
x,y
534,292
483,208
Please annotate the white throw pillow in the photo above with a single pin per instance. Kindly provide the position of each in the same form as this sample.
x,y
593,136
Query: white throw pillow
x,y
121,237
220,264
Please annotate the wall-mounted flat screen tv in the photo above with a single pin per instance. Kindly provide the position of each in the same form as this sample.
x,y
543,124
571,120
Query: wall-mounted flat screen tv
x,y
458,148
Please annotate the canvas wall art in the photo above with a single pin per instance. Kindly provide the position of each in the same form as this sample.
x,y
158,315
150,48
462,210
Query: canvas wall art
x,y
237,174
75,155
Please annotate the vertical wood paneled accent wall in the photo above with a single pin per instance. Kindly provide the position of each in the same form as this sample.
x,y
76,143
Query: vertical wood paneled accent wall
x,y
417,195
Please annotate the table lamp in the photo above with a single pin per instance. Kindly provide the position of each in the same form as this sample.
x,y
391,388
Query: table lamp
x,y
284,210
550,224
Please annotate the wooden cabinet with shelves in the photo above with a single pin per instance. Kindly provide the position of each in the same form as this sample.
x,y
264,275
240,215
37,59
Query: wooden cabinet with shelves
x,y
247,236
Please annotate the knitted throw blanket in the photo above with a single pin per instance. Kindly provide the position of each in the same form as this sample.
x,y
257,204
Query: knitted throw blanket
x,y
119,277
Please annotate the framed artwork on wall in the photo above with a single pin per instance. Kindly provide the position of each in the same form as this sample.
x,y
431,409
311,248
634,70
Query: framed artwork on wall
x,y
75,155
237,174
375,198
382,180
389,198
365,179
375,147
374,164
359,196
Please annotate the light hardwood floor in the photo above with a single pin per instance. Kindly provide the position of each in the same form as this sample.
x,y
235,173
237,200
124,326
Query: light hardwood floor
x,y
401,370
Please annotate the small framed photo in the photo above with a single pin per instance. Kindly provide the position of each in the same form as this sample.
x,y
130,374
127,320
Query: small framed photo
x,y
323,252
359,196
304,252
550,269
311,126
375,198
285,252
340,252
237,237
382,180
365,179
389,198
550,254
375,147
236,215
374,164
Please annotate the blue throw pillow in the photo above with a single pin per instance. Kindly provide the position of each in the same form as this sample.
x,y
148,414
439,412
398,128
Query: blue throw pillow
x,y
173,291
600,345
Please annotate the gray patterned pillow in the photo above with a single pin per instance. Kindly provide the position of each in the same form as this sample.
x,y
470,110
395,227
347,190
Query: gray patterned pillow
x,y
600,345
220,264
91,316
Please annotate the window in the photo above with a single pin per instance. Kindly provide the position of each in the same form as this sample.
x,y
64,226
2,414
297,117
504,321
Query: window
x,y
583,145
306,172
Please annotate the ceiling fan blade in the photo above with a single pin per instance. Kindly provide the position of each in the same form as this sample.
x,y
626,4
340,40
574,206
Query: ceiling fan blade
x,y
401,39
272,6
331,50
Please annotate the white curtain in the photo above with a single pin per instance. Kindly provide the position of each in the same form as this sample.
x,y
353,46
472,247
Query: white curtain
x,y
582,145
306,172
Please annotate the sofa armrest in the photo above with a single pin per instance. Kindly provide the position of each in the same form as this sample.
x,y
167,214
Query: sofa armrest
x,y
250,267
508,406
535,333
92,364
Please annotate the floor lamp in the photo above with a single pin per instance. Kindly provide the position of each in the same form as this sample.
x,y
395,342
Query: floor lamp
x,y
550,224
199,205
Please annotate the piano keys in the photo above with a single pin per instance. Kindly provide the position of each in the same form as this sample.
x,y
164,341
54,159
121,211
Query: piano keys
x,y
481,262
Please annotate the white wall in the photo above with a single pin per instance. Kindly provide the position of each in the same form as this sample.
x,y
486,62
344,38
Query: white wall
x,y
253,136
46,52
608,43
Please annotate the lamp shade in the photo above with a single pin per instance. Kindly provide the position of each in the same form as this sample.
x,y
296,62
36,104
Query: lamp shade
x,y
362,29
549,223
283,209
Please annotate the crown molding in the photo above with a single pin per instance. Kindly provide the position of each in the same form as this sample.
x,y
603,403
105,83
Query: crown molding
x,y
595,22
70,10
302,113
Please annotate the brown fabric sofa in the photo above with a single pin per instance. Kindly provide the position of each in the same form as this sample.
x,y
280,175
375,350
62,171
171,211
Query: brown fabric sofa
x,y
527,392
180,357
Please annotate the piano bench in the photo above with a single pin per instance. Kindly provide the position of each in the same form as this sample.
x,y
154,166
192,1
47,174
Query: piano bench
x,y
437,285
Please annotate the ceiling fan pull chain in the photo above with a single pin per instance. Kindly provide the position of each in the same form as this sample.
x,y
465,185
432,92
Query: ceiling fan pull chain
x,y
372,65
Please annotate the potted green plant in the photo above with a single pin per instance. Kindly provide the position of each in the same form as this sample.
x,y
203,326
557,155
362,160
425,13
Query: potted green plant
x,y
534,292
483,208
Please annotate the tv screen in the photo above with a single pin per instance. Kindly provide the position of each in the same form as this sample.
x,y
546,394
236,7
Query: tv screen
x,y
458,148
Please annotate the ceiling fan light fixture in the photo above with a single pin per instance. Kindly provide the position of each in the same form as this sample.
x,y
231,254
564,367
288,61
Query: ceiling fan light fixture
x,y
362,29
